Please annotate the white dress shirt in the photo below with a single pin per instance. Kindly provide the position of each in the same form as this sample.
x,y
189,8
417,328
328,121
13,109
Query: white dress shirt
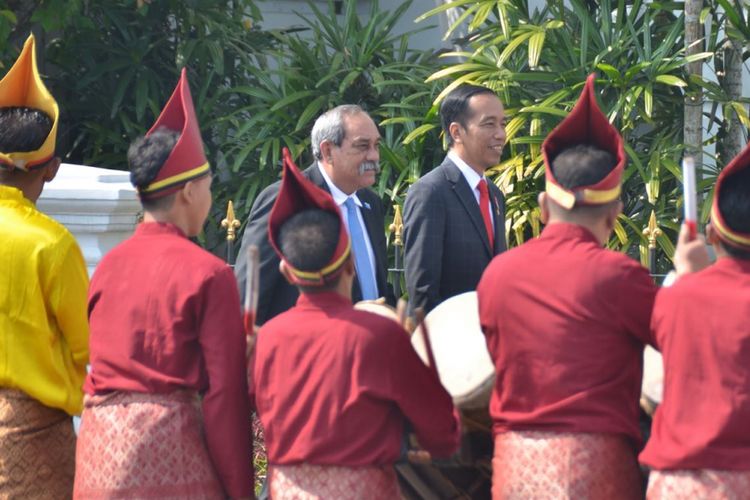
x,y
340,198
472,178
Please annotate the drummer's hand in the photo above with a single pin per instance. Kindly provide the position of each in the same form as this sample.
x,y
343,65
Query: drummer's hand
x,y
690,256
419,456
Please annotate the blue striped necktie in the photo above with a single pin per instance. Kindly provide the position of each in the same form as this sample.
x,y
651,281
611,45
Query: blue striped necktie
x,y
362,262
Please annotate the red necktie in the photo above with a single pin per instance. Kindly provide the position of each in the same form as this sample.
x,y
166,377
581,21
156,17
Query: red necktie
x,y
484,207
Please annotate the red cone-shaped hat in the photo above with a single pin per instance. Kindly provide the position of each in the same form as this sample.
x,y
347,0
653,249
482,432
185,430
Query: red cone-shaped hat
x,y
586,124
187,160
727,234
297,194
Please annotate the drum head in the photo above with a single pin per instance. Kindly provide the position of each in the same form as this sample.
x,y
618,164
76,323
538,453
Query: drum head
x,y
460,350
653,375
377,308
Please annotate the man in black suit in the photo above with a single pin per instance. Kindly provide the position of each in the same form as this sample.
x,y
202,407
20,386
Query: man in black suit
x,y
454,218
345,144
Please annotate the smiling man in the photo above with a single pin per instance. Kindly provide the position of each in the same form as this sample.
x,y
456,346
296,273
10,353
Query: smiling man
x,y
454,217
345,143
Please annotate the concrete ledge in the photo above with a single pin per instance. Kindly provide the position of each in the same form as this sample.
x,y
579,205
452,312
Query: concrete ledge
x,y
99,206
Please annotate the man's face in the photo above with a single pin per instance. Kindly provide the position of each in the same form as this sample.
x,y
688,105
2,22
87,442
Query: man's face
x,y
355,163
480,142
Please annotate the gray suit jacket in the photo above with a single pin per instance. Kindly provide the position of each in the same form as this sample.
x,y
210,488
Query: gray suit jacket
x,y
446,248
276,294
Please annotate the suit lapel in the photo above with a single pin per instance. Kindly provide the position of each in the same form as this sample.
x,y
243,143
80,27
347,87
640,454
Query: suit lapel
x,y
465,195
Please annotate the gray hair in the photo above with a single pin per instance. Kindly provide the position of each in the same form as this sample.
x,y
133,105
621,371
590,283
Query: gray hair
x,y
330,127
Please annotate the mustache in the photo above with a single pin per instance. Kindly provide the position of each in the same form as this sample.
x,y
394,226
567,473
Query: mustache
x,y
369,165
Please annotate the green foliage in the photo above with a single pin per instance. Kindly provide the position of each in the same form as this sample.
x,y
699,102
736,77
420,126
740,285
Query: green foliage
x,y
112,65
537,62
116,63
334,59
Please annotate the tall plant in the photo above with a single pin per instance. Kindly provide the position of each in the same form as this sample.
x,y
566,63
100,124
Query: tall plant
x,y
538,61
115,64
335,59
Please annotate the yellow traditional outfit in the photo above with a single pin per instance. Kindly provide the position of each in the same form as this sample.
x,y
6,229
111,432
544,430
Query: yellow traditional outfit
x,y
43,324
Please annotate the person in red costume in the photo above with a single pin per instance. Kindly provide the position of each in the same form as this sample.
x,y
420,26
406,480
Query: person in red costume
x,y
566,321
167,413
333,385
700,445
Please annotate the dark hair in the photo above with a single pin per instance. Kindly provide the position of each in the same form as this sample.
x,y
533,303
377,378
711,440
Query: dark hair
x,y
23,129
582,165
146,156
309,239
455,107
734,205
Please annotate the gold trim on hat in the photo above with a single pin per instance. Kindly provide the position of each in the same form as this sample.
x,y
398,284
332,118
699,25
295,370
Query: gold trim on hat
x,y
176,179
321,275
732,236
568,199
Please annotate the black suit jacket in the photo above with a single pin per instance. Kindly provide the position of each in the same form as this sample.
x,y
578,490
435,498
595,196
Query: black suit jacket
x,y
276,294
446,248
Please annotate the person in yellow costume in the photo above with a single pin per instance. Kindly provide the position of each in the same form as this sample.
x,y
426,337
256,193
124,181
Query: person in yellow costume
x,y
43,287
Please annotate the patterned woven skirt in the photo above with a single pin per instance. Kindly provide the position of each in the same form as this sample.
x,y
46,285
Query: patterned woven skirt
x,y
552,465
37,449
134,445
324,482
703,484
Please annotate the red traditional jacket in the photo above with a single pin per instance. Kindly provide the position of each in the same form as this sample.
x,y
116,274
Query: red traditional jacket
x,y
702,327
334,386
165,316
566,322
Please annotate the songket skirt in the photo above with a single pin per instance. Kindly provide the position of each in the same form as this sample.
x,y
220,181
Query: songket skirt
x,y
323,482
37,449
134,445
553,465
702,484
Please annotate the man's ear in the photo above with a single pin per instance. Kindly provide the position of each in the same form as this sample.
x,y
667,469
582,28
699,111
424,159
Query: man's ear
x,y
455,129
285,272
543,201
51,168
187,192
614,211
326,151
349,265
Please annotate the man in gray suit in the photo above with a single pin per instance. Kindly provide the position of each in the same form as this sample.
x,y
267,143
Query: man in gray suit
x,y
345,144
454,218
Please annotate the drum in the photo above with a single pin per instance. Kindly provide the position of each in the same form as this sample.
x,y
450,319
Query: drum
x,y
467,373
458,345
381,309
652,387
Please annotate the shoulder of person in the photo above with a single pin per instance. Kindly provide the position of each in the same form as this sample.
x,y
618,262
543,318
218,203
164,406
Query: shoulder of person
x,y
380,327
619,270
431,183
50,231
194,257
268,193
369,197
